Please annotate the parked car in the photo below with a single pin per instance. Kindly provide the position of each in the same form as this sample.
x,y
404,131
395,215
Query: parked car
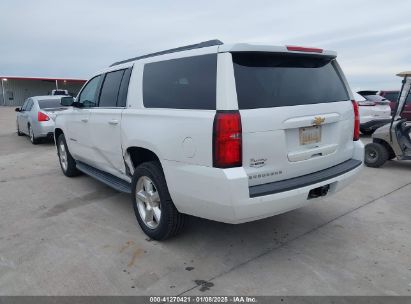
x,y
36,117
232,133
375,111
392,96
60,92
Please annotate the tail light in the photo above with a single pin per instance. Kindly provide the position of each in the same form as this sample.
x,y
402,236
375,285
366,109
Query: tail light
x,y
296,48
227,140
42,117
366,103
356,135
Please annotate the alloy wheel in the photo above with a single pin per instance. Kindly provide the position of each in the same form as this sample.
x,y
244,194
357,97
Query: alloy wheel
x,y
148,202
63,156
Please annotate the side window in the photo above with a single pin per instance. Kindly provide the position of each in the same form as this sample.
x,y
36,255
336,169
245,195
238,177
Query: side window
x,y
122,96
24,106
184,83
110,89
29,105
88,96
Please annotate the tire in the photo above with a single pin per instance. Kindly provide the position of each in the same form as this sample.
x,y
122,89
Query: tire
x,y
149,181
67,162
34,140
375,155
18,131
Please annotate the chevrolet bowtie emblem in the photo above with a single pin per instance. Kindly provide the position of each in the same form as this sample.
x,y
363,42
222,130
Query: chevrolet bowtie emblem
x,y
318,120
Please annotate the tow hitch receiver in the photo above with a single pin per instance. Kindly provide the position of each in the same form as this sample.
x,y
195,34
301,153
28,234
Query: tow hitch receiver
x,y
317,192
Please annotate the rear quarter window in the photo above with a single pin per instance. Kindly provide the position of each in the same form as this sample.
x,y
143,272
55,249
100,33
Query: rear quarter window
x,y
29,105
110,89
265,80
184,83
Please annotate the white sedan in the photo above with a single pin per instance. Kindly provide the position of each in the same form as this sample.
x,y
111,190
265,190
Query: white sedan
x,y
375,111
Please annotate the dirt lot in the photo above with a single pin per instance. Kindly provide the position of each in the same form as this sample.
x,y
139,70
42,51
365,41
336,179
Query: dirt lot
x,y
62,236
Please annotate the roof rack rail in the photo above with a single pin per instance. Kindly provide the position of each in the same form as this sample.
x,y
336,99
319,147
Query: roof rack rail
x,y
179,49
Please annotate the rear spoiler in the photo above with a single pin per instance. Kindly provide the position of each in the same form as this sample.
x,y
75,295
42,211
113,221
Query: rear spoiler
x,y
367,92
245,47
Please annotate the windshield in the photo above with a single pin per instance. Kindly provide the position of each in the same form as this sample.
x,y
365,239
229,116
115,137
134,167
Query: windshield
x,y
392,96
265,80
49,103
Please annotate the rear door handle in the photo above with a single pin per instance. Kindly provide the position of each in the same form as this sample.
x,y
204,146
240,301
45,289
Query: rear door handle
x,y
84,120
113,122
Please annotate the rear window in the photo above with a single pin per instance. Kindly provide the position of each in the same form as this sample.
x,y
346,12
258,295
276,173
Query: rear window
x,y
375,98
60,92
50,103
185,83
266,80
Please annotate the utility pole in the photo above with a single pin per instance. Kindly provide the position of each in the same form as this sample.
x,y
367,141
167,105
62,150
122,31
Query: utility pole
x,y
2,88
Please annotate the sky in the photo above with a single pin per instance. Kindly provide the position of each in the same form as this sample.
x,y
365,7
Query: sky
x,y
74,39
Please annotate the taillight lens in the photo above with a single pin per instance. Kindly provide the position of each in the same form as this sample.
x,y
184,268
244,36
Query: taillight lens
x,y
227,140
42,117
356,135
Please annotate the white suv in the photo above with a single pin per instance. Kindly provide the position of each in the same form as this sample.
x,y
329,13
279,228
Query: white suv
x,y
232,133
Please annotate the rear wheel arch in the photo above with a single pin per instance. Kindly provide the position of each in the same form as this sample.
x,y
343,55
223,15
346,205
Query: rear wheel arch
x,y
391,153
139,155
57,133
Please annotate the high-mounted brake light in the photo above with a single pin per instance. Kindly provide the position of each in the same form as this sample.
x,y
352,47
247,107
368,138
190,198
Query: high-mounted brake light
x,y
42,117
227,140
356,135
296,48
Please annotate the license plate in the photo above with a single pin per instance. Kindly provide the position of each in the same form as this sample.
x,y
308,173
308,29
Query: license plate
x,y
310,135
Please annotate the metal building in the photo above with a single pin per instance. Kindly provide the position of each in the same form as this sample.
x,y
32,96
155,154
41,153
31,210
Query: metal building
x,y
15,90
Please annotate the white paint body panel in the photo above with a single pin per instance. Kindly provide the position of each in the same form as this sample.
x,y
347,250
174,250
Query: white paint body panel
x,y
105,137
182,140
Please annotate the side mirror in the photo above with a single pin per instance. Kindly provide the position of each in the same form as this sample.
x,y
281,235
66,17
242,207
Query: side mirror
x,y
17,109
67,101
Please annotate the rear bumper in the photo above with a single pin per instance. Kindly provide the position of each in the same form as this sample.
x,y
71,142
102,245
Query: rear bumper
x,y
305,180
373,125
44,129
224,195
